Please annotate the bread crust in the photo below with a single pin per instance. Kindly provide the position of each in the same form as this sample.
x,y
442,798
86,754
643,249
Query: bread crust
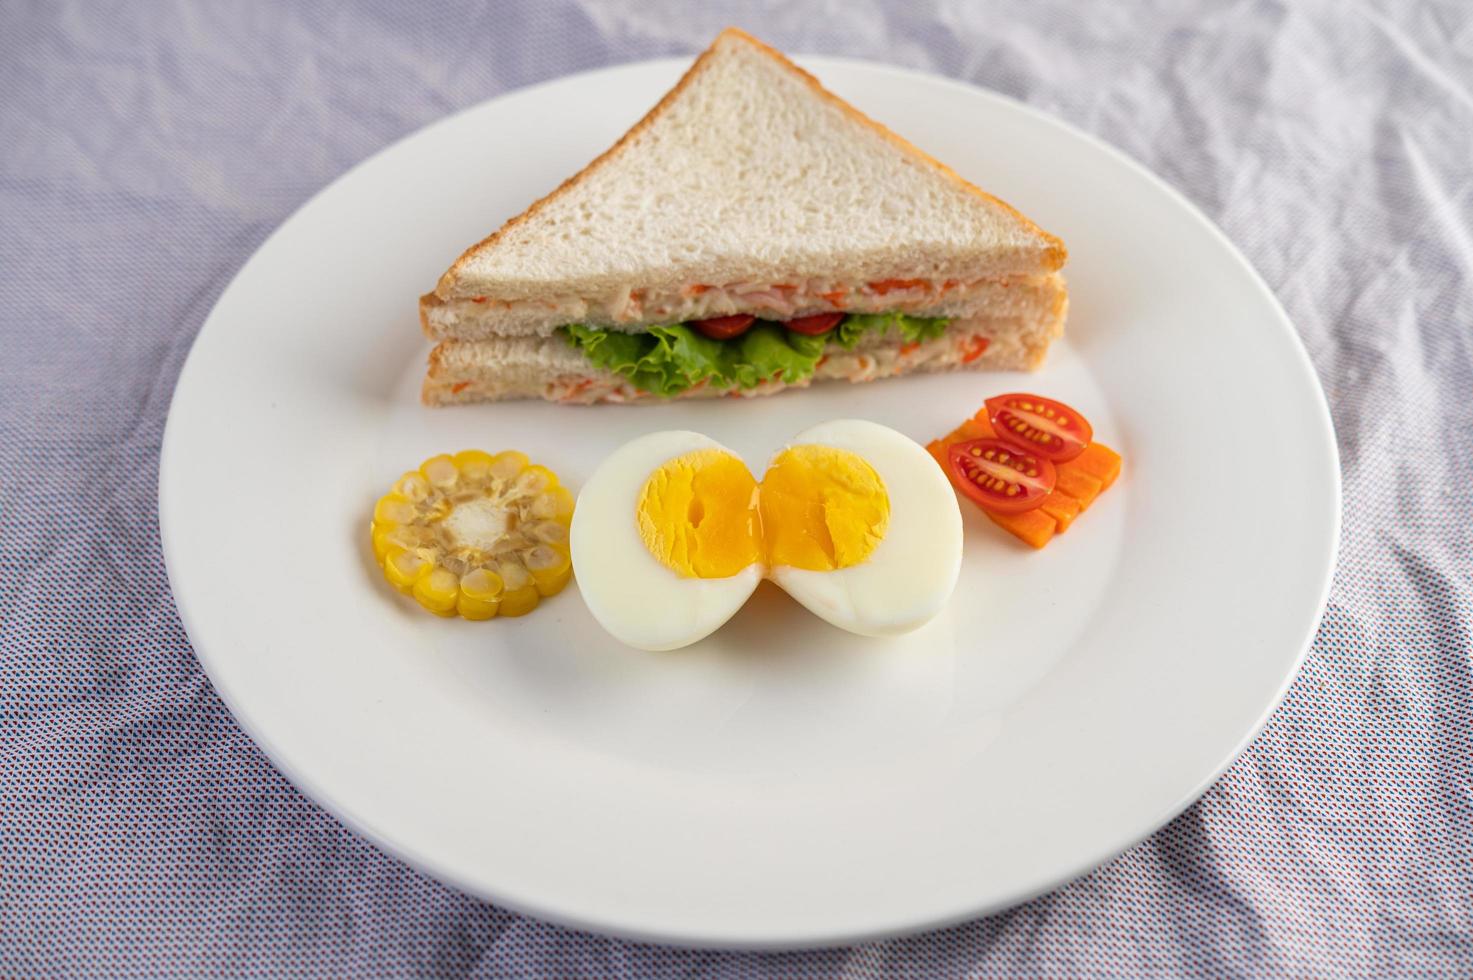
x,y
1055,253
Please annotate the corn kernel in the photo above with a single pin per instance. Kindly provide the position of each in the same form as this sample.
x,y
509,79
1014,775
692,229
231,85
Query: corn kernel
x,y
413,486
440,471
392,509
520,601
382,542
548,532
408,537
474,466
403,569
477,609
534,480
513,575
438,591
481,584
555,504
505,466
480,594
550,569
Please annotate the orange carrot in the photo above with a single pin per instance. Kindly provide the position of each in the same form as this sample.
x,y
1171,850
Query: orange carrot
x,y
1062,508
1078,484
1033,527
1100,462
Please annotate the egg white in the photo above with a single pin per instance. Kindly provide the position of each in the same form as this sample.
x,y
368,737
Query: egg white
x,y
910,575
631,593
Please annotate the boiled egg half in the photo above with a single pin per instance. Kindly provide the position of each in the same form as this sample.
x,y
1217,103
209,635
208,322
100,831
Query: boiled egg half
x,y
855,521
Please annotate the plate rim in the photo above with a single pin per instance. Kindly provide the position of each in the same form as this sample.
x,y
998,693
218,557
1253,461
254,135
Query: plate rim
x,y
677,937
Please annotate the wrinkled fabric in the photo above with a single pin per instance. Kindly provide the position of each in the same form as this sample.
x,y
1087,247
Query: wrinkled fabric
x,y
147,149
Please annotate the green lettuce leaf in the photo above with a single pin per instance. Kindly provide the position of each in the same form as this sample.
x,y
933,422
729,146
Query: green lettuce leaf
x,y
915,329
773,351
667,360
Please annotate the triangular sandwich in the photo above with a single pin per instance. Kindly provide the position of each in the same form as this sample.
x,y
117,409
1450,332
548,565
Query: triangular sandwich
x,y
752,233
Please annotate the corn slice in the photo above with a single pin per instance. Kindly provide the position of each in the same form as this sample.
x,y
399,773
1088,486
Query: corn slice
x,y
507,465
550,569
497,558
438,591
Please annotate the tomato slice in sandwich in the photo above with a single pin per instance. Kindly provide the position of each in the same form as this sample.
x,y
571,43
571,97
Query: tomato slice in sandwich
x,y
1051,429
1000,477
819,323
724,327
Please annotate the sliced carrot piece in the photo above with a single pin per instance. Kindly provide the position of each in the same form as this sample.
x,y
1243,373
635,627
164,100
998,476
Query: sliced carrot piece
x,y
1100,462
1078,484
937,448
1062,508
1033,527
968,431
965,432
983,424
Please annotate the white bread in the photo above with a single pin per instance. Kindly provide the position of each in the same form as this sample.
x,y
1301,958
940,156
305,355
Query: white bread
x,y
548,367
749,171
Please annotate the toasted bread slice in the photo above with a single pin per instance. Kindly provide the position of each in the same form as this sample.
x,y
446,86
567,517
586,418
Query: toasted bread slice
x,y
749,171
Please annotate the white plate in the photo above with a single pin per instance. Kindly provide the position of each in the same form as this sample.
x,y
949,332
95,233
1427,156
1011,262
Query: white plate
x,y
783,783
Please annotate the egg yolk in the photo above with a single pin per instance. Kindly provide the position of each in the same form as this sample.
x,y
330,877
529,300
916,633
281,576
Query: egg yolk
x,y
822,508
818,508
697,515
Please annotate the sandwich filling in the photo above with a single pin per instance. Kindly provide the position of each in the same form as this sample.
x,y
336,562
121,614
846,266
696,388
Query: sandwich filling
x,y
671,359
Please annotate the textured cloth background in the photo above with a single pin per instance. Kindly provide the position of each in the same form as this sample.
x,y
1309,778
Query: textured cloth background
x,y
147,149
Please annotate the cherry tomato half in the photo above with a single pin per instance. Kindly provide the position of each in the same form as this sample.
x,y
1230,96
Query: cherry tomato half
x,y
724,327
1040,425
816,324
999,477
